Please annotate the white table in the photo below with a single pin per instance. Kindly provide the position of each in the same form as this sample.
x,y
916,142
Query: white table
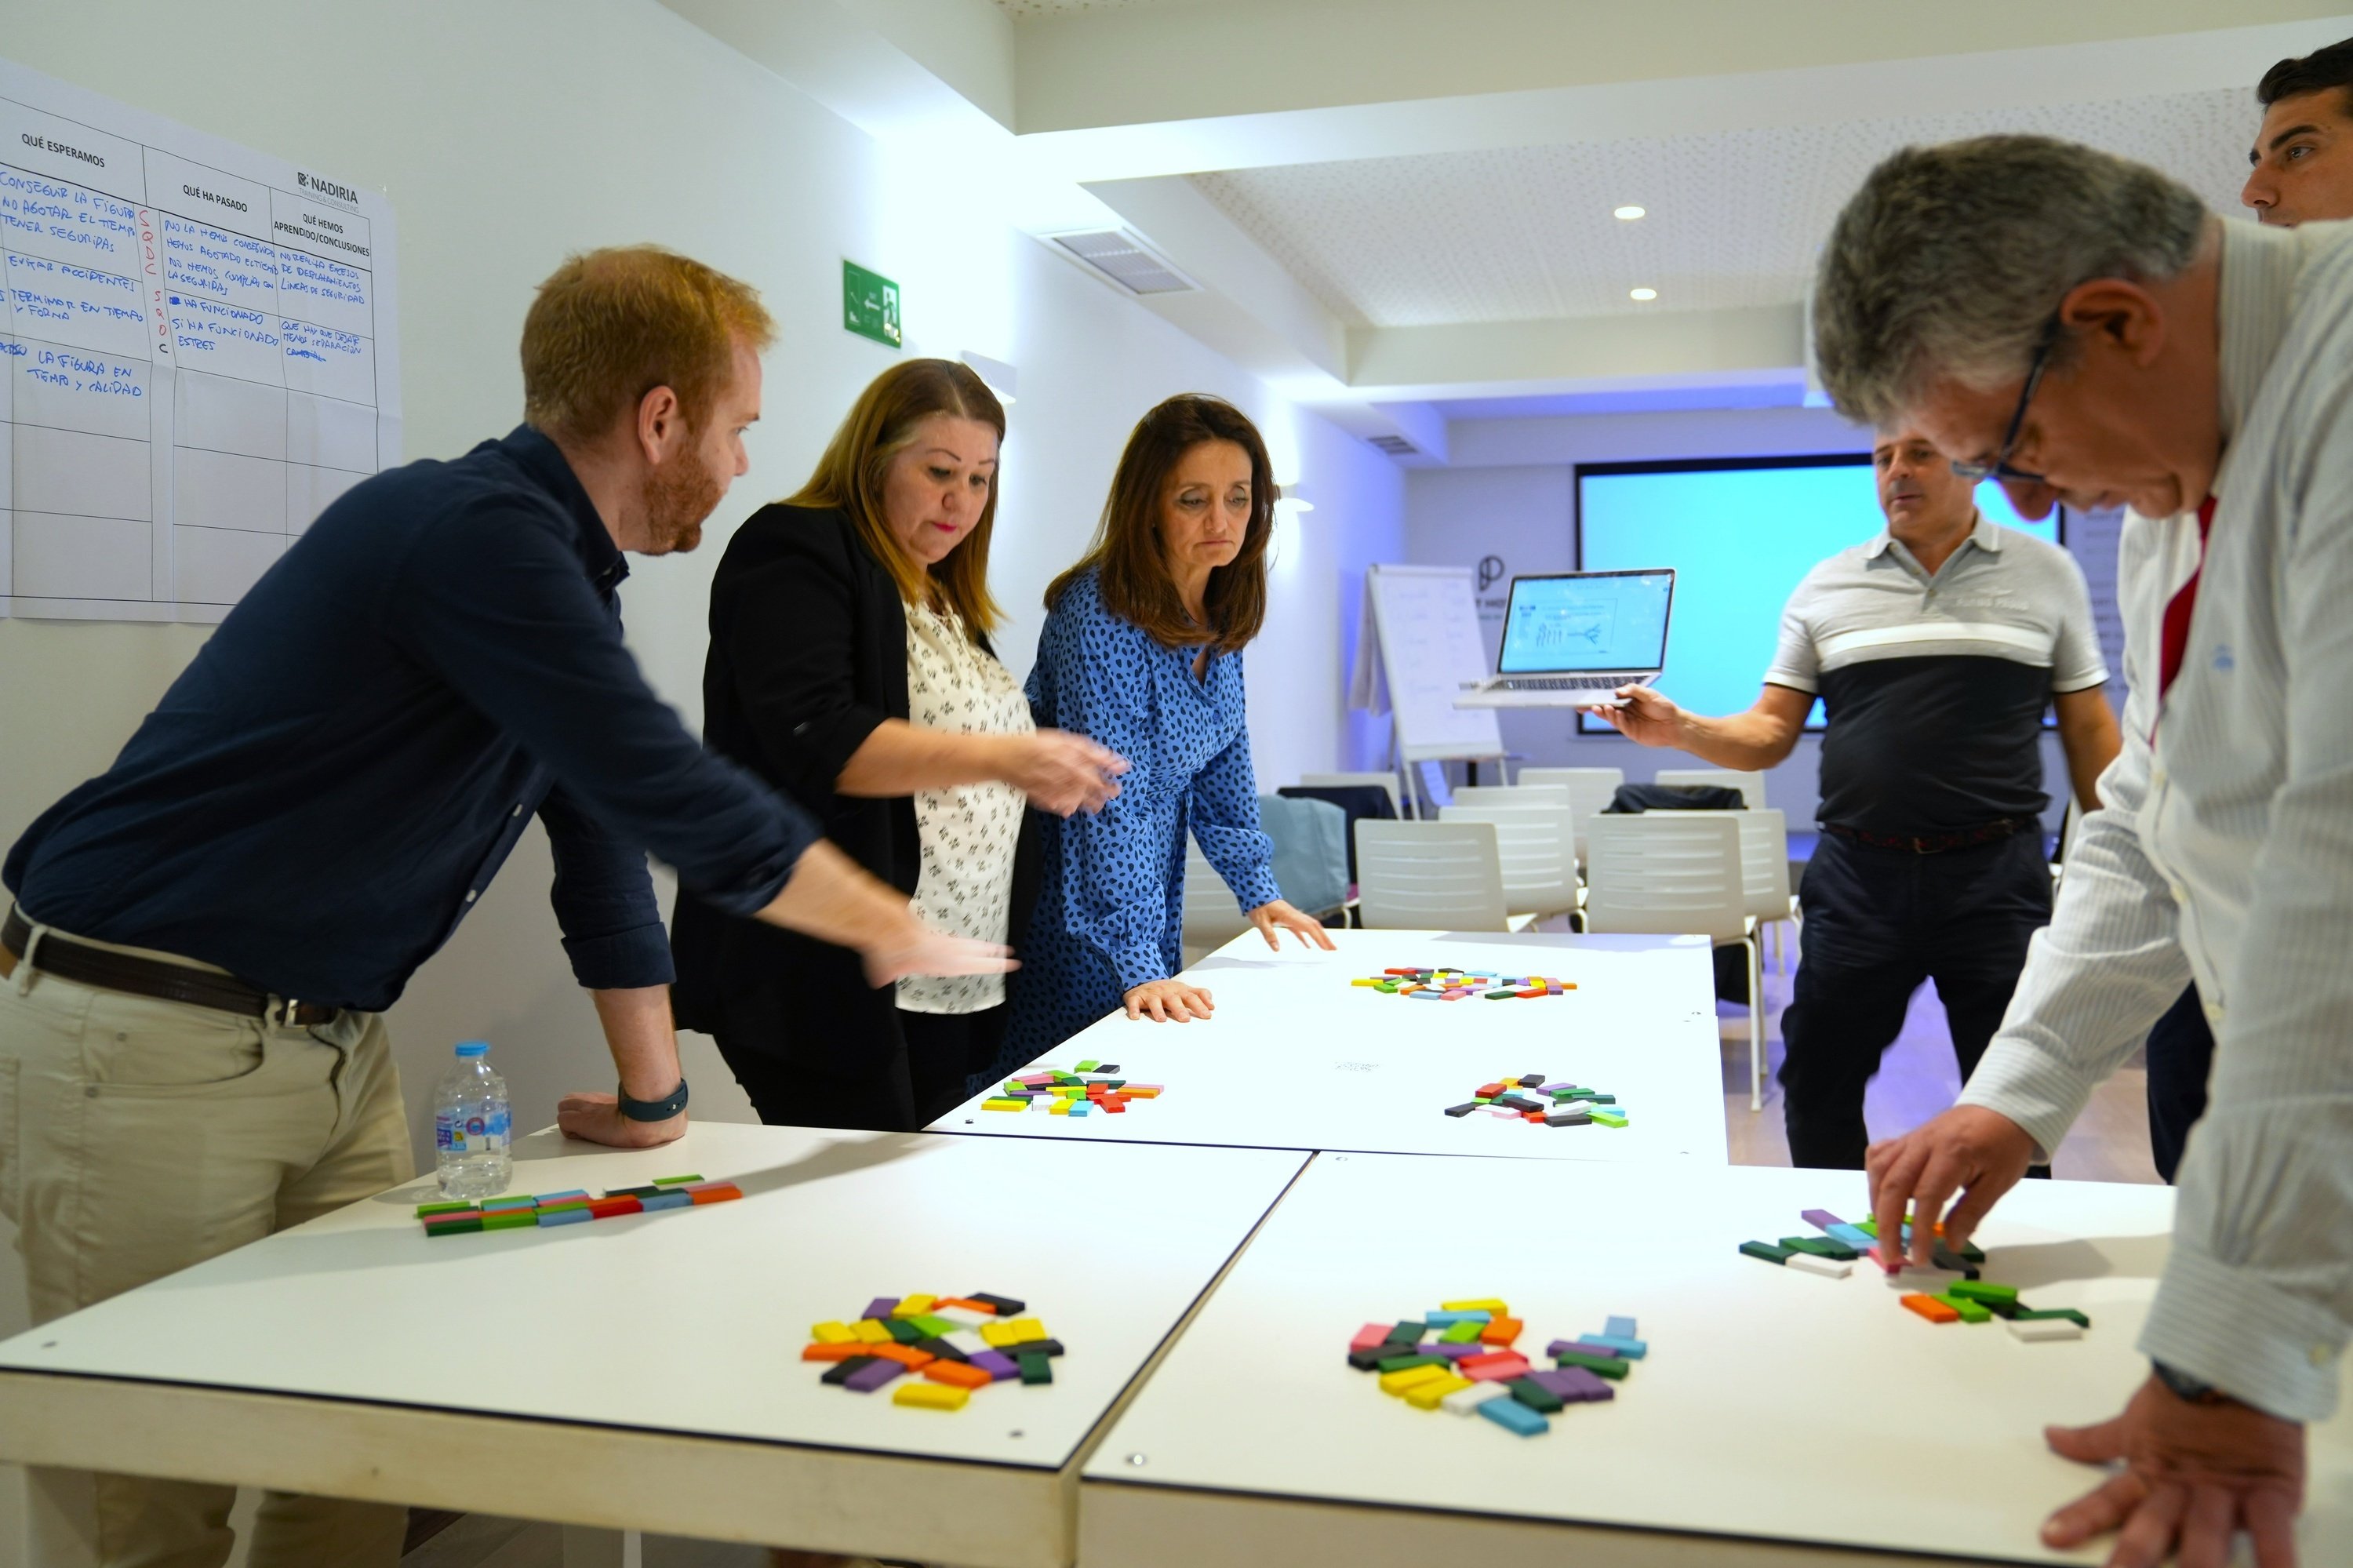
x,y
1776,1412
1295,1057
644,1373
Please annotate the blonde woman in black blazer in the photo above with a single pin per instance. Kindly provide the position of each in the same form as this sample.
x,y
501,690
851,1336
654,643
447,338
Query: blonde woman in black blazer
x,y
823,608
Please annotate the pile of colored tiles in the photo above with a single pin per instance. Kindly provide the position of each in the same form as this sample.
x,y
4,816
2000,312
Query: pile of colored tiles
x,y
1095,1087
955,1344
1470,1367
522,1211
1461,985
1529,1098
1961,1297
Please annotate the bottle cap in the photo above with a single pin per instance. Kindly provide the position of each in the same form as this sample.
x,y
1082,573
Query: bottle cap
x,y
473,1047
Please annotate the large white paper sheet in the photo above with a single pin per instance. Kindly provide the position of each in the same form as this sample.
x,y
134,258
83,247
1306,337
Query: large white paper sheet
x,y
197,355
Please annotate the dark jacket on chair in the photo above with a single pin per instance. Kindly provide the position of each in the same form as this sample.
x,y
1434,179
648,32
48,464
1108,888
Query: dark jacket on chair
x,y
808,654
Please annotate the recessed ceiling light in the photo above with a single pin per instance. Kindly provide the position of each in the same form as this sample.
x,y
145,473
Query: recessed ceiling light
x,y
1641,293
1628,213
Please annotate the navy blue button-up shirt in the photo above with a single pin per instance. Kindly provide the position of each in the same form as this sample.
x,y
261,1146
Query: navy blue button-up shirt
x,y
327,790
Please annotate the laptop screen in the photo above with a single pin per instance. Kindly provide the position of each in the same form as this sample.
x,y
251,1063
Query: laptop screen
x,y
1586,621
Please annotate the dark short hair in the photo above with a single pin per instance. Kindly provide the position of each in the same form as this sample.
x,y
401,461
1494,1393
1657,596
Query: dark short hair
x,y
2316,72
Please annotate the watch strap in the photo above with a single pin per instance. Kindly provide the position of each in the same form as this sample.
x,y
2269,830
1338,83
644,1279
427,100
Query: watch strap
x,y
661,1109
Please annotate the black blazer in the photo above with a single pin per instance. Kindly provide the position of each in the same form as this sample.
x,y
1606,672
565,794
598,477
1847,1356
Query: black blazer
x,y
808,654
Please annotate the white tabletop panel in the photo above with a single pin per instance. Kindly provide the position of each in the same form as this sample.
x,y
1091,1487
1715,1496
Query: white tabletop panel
x,y
1295,1057
1772,1407
693,1320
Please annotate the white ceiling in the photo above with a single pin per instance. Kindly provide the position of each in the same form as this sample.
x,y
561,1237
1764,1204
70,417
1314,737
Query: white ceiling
x,y
1021,8
1734,217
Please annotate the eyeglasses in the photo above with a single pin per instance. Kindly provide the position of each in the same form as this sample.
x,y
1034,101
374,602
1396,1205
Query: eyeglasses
x,y
1978,473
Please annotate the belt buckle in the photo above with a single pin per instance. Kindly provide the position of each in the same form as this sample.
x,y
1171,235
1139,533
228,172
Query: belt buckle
x,y
1920,845
286,1007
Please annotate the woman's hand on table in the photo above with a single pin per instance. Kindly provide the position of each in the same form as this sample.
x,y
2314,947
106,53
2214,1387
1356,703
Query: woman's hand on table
x,y
1277,914
1062,773
597,1118
1168,1001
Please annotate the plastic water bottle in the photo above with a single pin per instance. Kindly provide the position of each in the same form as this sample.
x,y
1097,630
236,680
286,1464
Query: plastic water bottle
x,y
471,1128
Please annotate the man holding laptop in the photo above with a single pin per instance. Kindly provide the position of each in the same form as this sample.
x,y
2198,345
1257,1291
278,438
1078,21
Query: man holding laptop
x,y
1935,649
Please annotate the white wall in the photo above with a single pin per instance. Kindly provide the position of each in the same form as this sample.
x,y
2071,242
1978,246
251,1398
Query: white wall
x,y
509,136
1511,493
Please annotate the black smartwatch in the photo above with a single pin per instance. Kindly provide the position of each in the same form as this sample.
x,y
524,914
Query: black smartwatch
x,y
2188,1389
661,1109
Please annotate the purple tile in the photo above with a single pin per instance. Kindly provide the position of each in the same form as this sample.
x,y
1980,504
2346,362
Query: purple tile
x,y
998,1367
866,1380
1822,1219
1452,1352
1560,1345
1576,1385
881,1306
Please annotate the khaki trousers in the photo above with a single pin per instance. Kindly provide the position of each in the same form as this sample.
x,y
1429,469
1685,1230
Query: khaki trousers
x,y
139,1137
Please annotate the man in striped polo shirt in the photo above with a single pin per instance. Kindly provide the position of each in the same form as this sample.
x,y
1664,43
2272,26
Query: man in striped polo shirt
x,y
1935,649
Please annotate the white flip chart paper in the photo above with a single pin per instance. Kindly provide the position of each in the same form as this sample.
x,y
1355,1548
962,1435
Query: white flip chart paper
x,y
197,354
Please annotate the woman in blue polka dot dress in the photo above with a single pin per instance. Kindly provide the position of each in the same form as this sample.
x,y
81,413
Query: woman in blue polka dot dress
x,y
1142,653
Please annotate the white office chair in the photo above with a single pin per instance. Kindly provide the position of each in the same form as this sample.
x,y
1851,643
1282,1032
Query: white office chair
x,y
1510,795
1212,916
1750,785
1674,872
1764,872
1537,846
1590,790
1443,876
1387,781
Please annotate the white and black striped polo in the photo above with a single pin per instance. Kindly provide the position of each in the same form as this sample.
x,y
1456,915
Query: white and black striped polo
x,y
1935,686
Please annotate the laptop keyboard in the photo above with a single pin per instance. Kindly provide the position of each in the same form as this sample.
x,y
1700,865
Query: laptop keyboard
x,y
1561,682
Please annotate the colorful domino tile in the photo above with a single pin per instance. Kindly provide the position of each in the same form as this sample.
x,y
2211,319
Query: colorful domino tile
x,y
1445,984
1953,1294
1465,1377
546,1211
1096,1086
934,1361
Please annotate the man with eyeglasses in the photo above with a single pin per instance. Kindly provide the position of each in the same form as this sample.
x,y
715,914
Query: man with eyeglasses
x,y
1936,648
2082,325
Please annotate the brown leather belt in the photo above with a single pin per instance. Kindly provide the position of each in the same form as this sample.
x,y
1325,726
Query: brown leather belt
x,y
1935,844
86,964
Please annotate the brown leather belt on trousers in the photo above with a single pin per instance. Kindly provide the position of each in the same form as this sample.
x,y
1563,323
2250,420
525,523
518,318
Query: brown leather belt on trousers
x,y
85,965
1937,843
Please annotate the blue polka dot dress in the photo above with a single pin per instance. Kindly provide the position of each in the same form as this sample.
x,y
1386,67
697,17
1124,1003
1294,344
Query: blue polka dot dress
x,y
1111,902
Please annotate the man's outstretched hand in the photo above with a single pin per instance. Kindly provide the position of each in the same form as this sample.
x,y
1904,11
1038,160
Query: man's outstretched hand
x,y
1970,1152
2194,1475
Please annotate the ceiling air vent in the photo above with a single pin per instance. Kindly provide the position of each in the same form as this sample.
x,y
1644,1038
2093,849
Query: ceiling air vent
x,y
1122,256
1396,446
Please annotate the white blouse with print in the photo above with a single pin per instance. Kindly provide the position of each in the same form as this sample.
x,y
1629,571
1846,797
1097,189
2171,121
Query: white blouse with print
x,y
969,831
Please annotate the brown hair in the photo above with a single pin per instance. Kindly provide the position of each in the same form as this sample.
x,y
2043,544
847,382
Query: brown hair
x,y
611,325
1127,555
850,479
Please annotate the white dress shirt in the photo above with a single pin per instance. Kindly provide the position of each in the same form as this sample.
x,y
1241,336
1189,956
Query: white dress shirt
x,y
2223,852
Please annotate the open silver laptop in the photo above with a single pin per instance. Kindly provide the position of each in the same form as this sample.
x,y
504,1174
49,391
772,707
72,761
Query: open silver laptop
x,y
1573,637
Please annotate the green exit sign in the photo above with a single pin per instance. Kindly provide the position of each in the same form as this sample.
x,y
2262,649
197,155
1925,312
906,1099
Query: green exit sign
x,y
869,305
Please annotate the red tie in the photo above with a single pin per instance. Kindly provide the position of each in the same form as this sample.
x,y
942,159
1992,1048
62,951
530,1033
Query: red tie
x,y
2176,641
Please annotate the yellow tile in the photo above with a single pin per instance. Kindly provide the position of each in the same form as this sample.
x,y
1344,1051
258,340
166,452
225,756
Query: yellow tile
x,y
931,1395
871,1331
999,1335
1484,1303
832,1334
1025,1330
1060,1108
1400,1383
1426,1395
914,1307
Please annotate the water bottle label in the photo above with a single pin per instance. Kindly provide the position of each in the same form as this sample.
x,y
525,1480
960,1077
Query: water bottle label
x,y
474,1134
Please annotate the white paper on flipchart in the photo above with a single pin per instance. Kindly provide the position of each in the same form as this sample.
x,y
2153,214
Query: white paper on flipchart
x,y
1422,689
198,353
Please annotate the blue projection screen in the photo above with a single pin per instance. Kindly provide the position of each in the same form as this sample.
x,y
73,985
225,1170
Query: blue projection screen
x,y
1741,534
